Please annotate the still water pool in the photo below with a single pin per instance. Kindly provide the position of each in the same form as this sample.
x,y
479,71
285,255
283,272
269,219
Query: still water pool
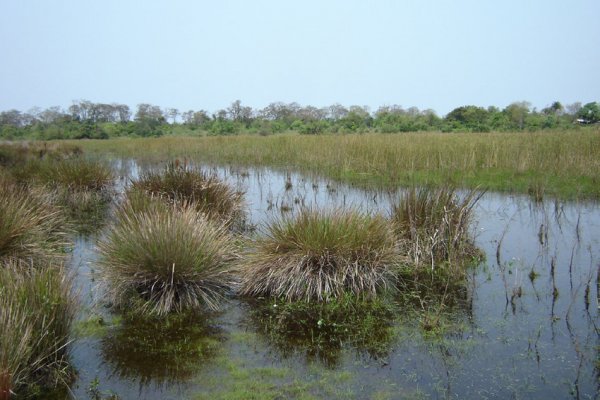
x,y
529,329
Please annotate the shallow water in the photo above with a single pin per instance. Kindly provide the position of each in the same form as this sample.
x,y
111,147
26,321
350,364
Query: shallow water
x,y
523,334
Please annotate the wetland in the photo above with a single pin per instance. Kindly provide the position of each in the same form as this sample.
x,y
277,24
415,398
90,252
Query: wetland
x,y
523,322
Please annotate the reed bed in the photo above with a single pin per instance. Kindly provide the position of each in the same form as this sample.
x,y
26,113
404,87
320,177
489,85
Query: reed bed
x,y
166,259
179,184
36,312
321,255
566,163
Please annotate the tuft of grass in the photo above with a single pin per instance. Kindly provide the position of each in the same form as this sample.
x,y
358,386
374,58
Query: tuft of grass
x,y
178,184
76,175
31,226
36,312
319,255
166,259
80,187
433,225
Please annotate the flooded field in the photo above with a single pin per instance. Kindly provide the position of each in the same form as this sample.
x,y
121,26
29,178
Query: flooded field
x,y
528,327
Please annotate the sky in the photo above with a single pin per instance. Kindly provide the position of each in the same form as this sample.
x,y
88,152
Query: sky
x,y
205,54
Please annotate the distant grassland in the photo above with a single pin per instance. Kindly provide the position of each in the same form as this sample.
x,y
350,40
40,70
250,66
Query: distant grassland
x,y
565,164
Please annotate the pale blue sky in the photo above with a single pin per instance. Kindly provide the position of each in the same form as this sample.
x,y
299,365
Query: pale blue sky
x,y
203,55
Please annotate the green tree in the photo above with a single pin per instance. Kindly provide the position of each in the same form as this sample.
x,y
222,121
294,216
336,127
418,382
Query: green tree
x,y
590,113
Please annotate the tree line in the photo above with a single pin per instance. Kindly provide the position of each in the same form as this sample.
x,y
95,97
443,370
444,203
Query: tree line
x,y
85,119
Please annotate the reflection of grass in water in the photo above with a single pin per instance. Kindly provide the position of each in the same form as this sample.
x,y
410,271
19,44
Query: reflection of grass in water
x,y
322,330
161,350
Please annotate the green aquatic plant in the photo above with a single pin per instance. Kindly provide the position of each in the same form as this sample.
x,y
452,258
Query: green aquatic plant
x,y
177,184
31,226
319,255
36,312
166,259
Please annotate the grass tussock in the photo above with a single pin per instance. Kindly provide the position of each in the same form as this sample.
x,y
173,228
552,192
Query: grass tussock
x,y
319,255
433,229
434,225
166,259
31,226
75,175
80,187
36,312
179,184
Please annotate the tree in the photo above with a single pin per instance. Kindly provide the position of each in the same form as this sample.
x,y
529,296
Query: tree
x,y
471,117
590,113
172,113
149,112
517,114
11,117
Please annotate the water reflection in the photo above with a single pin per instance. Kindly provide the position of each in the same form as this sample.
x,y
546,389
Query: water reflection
x,y
321,332
161,351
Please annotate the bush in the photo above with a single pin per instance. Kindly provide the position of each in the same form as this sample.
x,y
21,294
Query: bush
x,y
36,313
319,255
166,259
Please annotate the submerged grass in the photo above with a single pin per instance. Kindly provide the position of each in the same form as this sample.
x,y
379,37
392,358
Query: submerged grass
x,y
566,162
166,259
36,312
179,184
320,255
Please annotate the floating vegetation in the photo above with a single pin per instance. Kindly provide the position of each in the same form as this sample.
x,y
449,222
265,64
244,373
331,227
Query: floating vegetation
x,y
179,184
321,255
36,313
165,260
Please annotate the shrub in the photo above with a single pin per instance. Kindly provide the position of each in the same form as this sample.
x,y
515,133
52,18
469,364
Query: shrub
x,y
166,259
31,227
36,312
178,184
433,225
319,255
